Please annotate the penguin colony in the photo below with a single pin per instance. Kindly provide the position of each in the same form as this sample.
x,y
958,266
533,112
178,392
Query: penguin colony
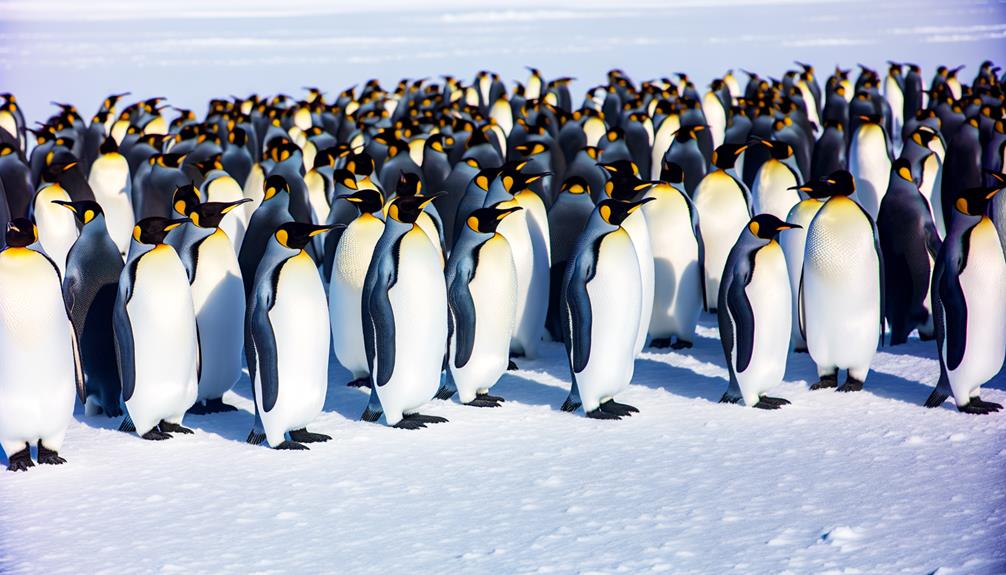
x,y
437,233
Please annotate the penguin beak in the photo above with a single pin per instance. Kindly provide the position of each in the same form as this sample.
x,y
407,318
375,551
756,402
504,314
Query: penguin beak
x,y
172,224
431,198
233,205
322,229
789,226
65,204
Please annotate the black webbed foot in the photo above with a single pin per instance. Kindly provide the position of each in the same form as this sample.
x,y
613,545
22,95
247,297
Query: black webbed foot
x,y
409,424
660,342
217,405
826,382
682,344
424,419
304,436
155,435
991,406
765,405
774,400
512,366
851,384
21,460
619,409
48,456
292,446
166,427
972,409
485,401
599,414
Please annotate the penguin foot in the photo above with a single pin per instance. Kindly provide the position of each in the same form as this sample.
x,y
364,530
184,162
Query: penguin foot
x,y
986,404
512,366
682,344
360,382
727,398
484,401
409,424
255,438
217,405
48,456
766,405
198,408
619,409
495,398
570,405
774,400
174,428
826,382
302,435
155,435
972,409
424,418
598,414
292,446
660,342
851,384
21,460
371,416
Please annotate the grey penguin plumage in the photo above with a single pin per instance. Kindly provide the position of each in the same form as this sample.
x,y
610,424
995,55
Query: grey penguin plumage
x,y
273,212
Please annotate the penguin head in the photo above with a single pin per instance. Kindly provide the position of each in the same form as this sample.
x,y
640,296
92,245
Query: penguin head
x,y
778,149
109,146
273,185
85,210
625,188
767,226
625,168
368,201
185,199
406,209
21,233
725,156
296,235
209,214
575,185
686,133
409,184
485,177
672,172
903,168
923,135
486,220
514,180
281,149
841,183
154,229
237,137
975,201
361,164
209,164
615,211
169,160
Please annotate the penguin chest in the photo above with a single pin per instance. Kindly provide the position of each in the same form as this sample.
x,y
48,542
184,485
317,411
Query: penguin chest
x,y
349,271
219,299
57,226
429,227
317,195
772,193
537,221
615,293
870,165
226,189
109,179
723,213
769,294
299,322
983,282
677,280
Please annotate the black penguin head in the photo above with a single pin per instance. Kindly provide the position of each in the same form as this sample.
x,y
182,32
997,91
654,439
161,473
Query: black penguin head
x,y
154,229
624,168
975,201
672,172
615,211
780,150
366,200
296,235
841,183
532,148
237,137
209,164
625,188
281,149
485,220
210,214
109,146
576,185
21,233
406,209
767,226
170,161
903,168
514,180
361,164
273,185
185,199
725,156
686,133
409,184
485,177
85,210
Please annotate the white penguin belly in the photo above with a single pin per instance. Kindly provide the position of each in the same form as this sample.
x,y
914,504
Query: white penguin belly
x,y
37,372
716,117
541,247
57,226
345,292
870,166
841,288
983,282
219,298
300,327
494,291
429,227
226,189
317,197
252,189
772,193
109,180
723,213
515,230
614,295
162,317
677,279
771,303
794,243
419,302
636,227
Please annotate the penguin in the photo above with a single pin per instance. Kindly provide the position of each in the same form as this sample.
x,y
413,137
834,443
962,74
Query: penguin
x,y
962,166
405,319
152,197
775,185
482,301
921,151
15,175
274,211
870,163
894,94
566,219
829,151
39,357
455,185
345,287
220,187
755,313
685,151
93,268
218,295
842,290
473,197
287,338
678,262
601,294
57,227
156,338
910,244
429,220
969,304
723,203
109,180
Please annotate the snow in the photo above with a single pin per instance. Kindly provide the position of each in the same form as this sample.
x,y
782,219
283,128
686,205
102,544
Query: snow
x,y
868,482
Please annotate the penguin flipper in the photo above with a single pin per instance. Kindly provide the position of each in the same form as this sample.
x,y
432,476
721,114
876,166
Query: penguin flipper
x,y
578,305
741,315
802,316
123,335
726,325
265,345
955,315
379,317
462,307
701,245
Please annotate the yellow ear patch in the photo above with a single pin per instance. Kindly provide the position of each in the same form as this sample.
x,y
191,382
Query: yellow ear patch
x,y
606,213
349,183
180,207
482,182
905,173
393,212
471,162
962,205
282,237
754,227
88,216
473,223
576,189
508,182
170,227
609,187
270,192
136,233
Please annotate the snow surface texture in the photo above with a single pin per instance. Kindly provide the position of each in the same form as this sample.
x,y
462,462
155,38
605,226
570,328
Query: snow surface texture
x,y
835,483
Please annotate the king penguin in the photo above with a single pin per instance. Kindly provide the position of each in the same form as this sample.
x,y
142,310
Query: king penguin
x,y
39,358
404,318
273,211
57,227
156,339
969,301
93,268
109,180
755,317
482,299
566,218
777,181
288,337
841,294
870,163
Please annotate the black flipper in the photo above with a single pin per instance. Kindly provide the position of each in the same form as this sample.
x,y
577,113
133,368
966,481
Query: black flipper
x,y
462,308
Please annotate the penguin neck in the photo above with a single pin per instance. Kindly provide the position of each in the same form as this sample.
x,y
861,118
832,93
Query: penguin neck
x,y
961,224
137,249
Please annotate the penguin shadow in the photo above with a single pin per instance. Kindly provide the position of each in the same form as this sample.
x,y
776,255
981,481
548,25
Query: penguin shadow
x,y
677,380
525,387
340,398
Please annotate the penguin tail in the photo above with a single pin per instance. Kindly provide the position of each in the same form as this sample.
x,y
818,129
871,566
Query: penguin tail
x,y
255,438
127,425
445,391
370,415
730,398
940,394
571,404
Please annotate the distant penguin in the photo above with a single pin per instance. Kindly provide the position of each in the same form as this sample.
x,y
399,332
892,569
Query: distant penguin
x,y
775,185
39,358
841,294
755,313
345,288
57,227
156,339
969,304
910,244
157,186
16,178
288,340
870,163
829,151
602,292
93,268
962,168
454,187
112,186
404,318
274,211
679,258
686,152
219,187
723,203
566,219
482,301
219,299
